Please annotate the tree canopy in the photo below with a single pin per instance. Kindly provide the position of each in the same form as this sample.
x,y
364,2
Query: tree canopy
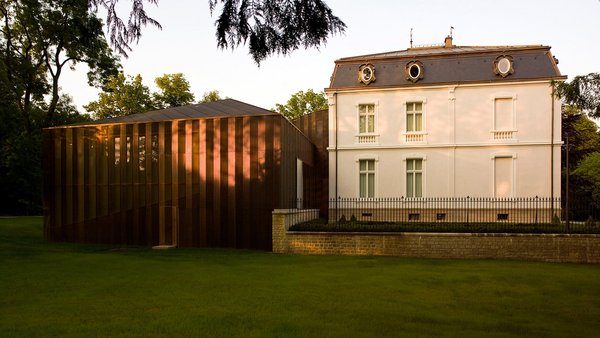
x,y
174,91
38,39
267,26
302,103
582,92
126,95
582,133
587,177
211,96
122,96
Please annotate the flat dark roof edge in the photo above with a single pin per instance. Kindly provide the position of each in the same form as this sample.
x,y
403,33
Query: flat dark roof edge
x,y
411,85
92,124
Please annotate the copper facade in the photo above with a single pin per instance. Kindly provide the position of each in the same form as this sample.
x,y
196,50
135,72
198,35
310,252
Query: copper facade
x,y
316,127
210,182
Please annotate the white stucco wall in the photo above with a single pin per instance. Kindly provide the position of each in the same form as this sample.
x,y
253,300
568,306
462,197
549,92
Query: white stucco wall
x,y
458,145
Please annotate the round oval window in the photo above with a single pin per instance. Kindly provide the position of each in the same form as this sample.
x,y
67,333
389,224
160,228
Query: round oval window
x,y
367,73
414,71
504,65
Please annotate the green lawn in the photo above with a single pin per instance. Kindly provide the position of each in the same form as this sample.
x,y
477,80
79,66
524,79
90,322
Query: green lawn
x,y
56,289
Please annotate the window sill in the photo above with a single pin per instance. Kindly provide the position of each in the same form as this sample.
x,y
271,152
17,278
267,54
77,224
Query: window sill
x,y
503,135
415,137
367,138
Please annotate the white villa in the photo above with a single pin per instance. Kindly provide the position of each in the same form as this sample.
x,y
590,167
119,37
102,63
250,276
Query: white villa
x,y
445,121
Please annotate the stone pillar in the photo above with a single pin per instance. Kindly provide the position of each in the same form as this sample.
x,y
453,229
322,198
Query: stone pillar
x,y
283,219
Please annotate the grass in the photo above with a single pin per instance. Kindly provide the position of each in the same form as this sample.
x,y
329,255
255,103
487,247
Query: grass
x,y
68,290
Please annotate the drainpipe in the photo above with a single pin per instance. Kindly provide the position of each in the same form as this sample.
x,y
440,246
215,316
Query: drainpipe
x,y
552,151
552,147
336,145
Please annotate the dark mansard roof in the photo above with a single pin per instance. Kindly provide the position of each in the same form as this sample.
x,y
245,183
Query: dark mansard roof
x,y
447,64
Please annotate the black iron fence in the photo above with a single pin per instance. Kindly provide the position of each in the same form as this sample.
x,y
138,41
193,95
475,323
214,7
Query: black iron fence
x,y
458,214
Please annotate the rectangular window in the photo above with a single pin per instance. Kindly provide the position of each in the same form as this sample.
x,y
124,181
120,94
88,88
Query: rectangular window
x,y
414,116
367,178
414,177
503,180
503,114
366,118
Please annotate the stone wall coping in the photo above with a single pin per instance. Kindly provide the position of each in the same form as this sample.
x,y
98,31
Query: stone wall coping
x,y
292,211
440,234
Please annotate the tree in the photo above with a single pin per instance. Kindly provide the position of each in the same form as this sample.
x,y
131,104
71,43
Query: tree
x,y
210,96
582,92
587,175
122,96
271,26
38,39
174,91
302,103
268,26
582,133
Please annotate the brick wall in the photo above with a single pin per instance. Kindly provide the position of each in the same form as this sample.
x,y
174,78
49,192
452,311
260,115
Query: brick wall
x,y
534,247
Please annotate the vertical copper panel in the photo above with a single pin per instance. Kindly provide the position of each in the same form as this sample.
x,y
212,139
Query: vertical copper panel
x,y
91,182
254,202
123,186
247,193
101,180
78,139
223,189
271,188
195,183
150,183
161,185
216,180
184,182
203,180
239,181
263,203
231,173
134,184
277,169
174,181
68,209
58,183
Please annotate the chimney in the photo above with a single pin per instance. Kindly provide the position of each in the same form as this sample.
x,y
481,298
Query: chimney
x,y
448,42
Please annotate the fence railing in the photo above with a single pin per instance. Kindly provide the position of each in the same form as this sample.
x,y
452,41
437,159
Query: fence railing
x,y
458,214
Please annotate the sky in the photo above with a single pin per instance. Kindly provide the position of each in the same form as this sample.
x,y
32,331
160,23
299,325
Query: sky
x,y
187,44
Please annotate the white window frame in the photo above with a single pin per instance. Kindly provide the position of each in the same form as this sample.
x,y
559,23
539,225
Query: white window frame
x,y
367,157
494,129
504,154
366,124
415,156
416,136
367,137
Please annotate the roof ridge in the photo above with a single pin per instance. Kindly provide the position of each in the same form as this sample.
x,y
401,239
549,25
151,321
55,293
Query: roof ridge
x,y
417,51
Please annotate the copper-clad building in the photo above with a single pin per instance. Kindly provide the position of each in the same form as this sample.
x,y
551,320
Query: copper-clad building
x,y
205,175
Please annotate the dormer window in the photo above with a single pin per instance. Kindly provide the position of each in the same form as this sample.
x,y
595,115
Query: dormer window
x,y
414,71
503,65
366,73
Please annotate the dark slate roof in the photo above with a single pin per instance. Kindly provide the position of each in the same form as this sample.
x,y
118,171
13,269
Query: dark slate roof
x,y
447,65
222,108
